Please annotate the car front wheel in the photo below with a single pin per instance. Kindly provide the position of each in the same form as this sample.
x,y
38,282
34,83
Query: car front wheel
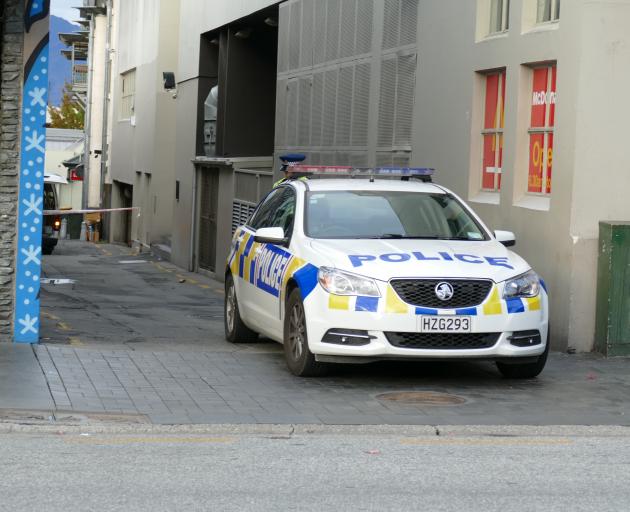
x,y
235,330
300,360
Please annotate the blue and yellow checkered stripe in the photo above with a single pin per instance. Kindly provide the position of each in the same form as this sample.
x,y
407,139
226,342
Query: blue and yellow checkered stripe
x,y
393,304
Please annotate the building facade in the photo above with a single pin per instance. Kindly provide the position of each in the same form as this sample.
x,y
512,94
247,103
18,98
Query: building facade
x,y
141,164
518,104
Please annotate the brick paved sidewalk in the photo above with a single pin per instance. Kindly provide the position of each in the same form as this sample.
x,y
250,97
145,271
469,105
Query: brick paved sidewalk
x,y
254,387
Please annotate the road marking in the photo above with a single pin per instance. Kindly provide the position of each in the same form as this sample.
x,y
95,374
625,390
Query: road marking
x,y
75,341
486,442
50,316
64,326
149,440
204,286
219,290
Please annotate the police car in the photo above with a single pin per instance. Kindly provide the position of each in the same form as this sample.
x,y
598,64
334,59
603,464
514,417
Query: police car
x,y
358,268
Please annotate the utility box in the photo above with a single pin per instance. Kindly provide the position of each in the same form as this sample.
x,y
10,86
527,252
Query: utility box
x,y
612,328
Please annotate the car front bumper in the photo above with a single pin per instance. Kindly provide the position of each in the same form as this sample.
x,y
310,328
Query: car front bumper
x,y
325,312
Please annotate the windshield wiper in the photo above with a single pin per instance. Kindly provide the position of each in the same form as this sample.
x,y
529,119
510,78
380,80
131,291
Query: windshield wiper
x,y
398,236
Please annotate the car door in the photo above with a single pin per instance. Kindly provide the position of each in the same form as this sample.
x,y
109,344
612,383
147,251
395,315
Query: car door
x,y
245,251
271,261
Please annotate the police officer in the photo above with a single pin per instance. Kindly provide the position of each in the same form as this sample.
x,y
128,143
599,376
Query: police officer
x,y
288,160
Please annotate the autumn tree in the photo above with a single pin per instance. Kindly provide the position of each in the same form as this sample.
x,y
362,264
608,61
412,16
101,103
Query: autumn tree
x,y
69,115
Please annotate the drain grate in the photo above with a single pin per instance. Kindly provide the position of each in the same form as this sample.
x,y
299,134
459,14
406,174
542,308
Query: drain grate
x,y
422,398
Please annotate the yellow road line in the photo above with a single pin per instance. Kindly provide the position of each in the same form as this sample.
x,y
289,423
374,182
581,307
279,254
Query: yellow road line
x,y
486,442
64,326
204,286
50,316
148,440
75,341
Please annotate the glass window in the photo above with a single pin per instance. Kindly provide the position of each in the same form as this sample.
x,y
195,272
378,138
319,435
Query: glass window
x,y
128,94
388,214
276,210
499,16
284,212
547,10
492,132
541,130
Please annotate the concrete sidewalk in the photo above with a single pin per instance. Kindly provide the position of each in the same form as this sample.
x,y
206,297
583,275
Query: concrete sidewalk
x,y
22,382
250,387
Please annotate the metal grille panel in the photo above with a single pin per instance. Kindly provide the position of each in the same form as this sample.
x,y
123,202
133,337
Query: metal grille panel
x,y
348,20
306,38
387,102
317,110
405,90
292,112
344,106
304,112
408,22
421,292
319,34
361,104
294,35
332,29
365,23
443,341
241,212
330,105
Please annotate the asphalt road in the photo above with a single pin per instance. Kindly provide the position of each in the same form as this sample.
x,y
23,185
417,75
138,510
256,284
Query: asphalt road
x,y
216,470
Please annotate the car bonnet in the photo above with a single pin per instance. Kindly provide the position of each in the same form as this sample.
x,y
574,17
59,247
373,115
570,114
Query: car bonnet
x,y
387,259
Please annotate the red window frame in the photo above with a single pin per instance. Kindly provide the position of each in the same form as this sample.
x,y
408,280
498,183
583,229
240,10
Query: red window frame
x,y
541,130
492,132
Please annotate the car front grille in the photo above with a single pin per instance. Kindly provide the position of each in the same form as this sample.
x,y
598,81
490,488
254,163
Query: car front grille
x,y
421,292
443,341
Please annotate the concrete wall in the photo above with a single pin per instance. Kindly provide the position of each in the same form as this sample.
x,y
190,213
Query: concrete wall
x,y
196,18
12,33
143,146
558,236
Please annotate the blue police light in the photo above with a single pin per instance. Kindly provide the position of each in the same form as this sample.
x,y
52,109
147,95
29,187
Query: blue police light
x,y
404,171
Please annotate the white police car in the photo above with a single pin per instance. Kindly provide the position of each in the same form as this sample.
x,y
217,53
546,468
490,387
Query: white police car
x,y
365,269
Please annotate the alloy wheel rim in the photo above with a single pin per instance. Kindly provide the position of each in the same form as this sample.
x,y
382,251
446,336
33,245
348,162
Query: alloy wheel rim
x,y
297,332
230,307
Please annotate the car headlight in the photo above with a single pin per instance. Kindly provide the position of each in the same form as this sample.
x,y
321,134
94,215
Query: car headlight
x,y
525,285
339,282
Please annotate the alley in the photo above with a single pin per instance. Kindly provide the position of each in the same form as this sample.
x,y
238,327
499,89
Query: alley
x,y
139,337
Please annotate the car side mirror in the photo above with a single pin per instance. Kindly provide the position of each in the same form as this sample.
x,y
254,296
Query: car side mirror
x,y
507,238
270,236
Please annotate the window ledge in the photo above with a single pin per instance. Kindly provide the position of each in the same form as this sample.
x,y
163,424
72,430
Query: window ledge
x,y
540,203
494,36
546,26
486,197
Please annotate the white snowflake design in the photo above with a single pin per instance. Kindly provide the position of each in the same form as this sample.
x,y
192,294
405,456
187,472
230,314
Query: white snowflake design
x,y
31,254
38,96
28,324
35,141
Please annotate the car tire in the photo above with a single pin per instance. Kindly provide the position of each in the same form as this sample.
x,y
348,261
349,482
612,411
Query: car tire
x,y
235,329
525,370
300,360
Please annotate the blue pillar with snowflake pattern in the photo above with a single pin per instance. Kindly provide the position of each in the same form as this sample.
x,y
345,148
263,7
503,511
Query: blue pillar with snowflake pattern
x,y
31,181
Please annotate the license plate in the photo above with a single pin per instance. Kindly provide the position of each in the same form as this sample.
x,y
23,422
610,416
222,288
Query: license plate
x,y
444,324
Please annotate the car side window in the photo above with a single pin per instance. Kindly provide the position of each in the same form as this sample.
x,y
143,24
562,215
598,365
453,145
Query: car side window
x,y
266,210
284,212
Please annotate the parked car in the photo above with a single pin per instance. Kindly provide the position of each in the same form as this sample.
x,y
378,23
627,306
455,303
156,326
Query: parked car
x,y
364,269
52,224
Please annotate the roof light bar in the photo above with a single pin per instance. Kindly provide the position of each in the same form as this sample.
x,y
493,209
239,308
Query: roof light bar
x,y
331,171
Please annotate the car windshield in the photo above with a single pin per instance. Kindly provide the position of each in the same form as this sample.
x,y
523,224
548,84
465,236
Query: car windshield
x,y
388,214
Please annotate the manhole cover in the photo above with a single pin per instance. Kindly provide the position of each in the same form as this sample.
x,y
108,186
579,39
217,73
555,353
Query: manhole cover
x,y
422,398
